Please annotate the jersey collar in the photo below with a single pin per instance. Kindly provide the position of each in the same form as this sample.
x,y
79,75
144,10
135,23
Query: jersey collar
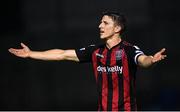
x,y
115,45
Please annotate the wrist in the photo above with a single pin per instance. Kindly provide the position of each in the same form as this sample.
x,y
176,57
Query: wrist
x,y
151,57
152,62
29,55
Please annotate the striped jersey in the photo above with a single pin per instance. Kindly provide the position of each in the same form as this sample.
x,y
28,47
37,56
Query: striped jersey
x,y
114,71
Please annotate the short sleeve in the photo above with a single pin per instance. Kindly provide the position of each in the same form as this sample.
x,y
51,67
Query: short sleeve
x,y
84,54
136,53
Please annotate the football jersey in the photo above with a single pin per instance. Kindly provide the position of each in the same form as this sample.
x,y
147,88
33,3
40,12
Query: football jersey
x,y
114,71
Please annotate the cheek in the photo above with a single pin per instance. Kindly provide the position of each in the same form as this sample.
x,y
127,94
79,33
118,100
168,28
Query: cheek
x,y
109,28
109,31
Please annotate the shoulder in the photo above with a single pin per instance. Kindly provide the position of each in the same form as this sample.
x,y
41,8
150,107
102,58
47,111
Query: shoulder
x,y
89,48
129,45
96,46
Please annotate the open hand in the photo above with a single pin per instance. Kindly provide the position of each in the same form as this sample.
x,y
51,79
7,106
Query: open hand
x,y
159,56
24,52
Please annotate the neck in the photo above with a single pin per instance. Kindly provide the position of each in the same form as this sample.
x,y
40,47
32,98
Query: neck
x,y
113,41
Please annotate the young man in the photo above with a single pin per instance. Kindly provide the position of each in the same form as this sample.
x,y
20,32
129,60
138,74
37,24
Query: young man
x,y
114,63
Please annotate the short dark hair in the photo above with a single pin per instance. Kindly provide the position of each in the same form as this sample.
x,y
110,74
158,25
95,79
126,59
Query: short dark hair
x,y
118,18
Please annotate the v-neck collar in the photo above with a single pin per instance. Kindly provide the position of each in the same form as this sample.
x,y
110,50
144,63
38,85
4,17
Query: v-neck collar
x,y
114,46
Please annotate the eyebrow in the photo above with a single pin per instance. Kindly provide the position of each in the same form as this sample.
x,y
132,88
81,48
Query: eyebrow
x,y
104,21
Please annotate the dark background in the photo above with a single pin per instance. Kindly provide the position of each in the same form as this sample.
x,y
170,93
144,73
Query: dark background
x,y
27,84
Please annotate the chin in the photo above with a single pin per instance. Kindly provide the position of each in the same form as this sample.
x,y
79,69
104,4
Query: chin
x,y
102,37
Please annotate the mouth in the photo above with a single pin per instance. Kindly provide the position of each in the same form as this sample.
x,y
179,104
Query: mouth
x,y
101,31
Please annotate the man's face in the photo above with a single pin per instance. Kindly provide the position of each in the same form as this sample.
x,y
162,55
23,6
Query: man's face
x,y
107,27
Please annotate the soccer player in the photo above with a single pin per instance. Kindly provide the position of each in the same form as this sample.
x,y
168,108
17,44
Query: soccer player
x,y
114,63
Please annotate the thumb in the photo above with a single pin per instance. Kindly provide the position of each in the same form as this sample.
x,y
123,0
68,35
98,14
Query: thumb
x,y
23,45
162,50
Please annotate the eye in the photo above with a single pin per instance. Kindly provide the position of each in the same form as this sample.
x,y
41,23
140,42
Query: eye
x,y
105,22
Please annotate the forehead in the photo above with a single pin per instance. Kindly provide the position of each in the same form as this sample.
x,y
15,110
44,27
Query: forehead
x,y
106,18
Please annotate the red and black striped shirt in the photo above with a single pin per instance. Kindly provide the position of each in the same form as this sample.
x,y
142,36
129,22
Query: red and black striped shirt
x,y
114,70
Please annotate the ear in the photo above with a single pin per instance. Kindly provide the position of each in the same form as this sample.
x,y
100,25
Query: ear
x,y
117,28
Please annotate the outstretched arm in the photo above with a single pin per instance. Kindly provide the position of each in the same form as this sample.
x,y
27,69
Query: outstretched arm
x,y
146,61
53,54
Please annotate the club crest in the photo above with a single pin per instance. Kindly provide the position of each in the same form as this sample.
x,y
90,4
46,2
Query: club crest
x,y
119,54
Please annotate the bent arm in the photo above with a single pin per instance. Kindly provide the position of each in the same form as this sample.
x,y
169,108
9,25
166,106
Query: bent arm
x,y
54,54
147,61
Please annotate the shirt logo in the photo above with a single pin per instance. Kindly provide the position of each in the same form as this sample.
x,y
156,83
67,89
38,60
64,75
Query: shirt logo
x,y
112,69
119,55
99,55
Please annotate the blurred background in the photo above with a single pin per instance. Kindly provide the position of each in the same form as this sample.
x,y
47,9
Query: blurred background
x,y
27,84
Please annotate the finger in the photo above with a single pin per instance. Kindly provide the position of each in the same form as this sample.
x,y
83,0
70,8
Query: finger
x,y
9,50
23,45
162,50
165,56
12,50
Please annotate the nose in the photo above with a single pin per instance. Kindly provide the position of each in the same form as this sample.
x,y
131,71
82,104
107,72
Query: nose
x,y
100,25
